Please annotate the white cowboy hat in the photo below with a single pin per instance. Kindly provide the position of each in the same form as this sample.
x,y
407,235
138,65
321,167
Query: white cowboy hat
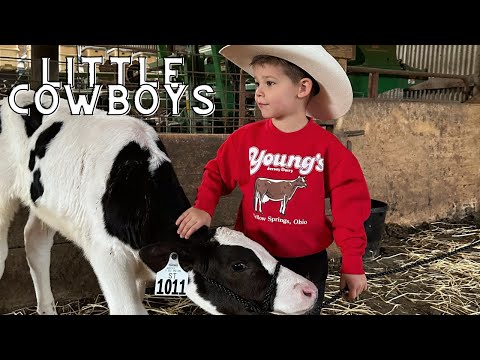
x,y
335,96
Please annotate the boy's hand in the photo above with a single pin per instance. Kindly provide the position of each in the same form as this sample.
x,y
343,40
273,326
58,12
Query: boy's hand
x,y
355,285
192,220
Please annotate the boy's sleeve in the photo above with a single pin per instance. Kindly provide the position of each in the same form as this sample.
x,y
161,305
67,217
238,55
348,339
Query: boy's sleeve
x,y
350,202
219,177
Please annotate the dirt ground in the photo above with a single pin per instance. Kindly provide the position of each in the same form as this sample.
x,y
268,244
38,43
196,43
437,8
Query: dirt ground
x,y
403,279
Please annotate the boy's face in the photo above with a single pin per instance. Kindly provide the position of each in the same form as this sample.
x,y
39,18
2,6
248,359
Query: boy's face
x,y
276,95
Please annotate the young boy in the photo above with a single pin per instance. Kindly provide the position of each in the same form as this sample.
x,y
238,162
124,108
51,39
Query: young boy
x,y
286,165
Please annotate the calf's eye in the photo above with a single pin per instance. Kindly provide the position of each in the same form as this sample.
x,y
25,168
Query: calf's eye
x,y
239,267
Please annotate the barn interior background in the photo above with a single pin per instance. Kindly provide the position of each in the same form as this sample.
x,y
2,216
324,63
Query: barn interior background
x,y
414,126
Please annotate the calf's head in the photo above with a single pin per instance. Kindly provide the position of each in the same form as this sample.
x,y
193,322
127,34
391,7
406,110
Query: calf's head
x,y
231,274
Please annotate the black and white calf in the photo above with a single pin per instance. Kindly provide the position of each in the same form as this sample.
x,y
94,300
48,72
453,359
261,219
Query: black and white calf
x,y
106,183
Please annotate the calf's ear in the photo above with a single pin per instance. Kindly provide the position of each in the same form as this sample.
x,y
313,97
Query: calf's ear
x,y
156,256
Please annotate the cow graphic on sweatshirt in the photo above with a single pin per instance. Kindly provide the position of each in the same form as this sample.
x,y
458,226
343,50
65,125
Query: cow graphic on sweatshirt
x,y
276,190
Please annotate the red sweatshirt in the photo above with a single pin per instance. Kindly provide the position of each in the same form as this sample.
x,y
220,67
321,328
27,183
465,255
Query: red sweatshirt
x,y
284,179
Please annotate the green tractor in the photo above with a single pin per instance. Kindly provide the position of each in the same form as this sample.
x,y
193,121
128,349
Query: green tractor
x,y
381,57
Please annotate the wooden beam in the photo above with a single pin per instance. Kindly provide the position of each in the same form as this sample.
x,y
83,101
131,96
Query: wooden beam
x,y
242,101
373,85
39,52
437,83
343,63
341,51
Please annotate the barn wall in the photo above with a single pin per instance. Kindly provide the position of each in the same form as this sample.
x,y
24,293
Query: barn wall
x,y
423,159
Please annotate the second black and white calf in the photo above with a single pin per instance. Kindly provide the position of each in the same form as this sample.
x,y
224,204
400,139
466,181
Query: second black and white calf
x,y
107,183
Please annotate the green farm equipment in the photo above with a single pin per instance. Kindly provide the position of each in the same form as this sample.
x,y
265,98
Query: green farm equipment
x,y
202,65
379,57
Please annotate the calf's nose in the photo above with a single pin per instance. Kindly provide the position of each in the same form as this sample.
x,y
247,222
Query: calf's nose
x,y
308,289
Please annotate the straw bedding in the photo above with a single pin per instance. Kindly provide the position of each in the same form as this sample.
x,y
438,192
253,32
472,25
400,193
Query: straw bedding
x,y
447,286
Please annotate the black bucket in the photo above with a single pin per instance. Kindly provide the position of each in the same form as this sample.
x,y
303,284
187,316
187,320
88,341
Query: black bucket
x,y
374,227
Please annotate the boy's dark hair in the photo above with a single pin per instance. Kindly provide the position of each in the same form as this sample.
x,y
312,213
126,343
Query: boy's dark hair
x,y
294,72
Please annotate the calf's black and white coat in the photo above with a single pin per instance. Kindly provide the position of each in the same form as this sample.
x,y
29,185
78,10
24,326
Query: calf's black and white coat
x,y
107,184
